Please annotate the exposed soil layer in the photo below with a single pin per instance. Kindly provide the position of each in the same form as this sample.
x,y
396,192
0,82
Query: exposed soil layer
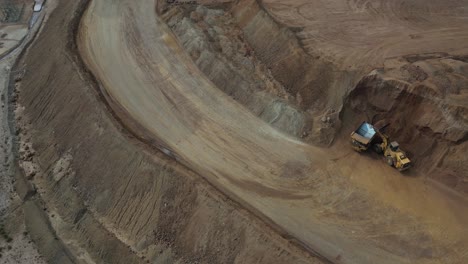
x,y
317,84
217,46
264,63
351,205
233,46
319,60
336,42
109,200
424,98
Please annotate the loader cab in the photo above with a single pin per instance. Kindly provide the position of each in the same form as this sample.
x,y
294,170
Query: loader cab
x,y
394,146
367,136
396,157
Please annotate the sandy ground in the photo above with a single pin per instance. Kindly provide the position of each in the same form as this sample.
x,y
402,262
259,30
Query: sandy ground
x,y
347,211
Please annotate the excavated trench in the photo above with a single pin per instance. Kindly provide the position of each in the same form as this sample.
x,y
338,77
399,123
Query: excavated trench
x,y
110,198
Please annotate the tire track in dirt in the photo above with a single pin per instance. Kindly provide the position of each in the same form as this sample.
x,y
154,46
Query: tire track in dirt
x,y
142,67
345,31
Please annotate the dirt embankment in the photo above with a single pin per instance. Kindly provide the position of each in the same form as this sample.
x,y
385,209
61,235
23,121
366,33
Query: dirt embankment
x,y
217,46
357,210
271,68
317,85
108,199
424,98
305,77
325,68
260,64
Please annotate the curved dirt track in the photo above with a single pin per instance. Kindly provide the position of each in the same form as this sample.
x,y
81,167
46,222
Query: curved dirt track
x,y
309,194
362,33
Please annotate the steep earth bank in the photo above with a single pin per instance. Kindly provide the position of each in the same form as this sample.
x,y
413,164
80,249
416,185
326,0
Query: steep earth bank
x,y
424,98
108,199
260,64
317,85
421,94
264,65
339,203
217,46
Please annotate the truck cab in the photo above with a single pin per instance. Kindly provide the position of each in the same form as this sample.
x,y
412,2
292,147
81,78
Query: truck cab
x,y
367,136
362,138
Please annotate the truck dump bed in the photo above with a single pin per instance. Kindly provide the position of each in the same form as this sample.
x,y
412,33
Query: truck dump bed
x,y
364,134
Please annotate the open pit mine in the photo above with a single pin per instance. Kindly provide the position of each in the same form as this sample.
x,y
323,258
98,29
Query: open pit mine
x,y
234,131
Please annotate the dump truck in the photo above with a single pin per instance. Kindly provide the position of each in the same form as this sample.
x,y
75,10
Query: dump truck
x,y
368,136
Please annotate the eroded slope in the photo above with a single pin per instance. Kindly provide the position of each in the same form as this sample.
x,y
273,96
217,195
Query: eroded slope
x,y
162,96
108,198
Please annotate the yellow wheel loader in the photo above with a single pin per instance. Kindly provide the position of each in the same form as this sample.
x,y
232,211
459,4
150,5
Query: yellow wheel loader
x,y
367,136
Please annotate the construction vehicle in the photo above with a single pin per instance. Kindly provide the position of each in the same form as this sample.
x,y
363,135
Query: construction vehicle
x,y
368,136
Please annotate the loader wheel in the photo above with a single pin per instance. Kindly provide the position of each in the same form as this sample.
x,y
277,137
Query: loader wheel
x,y
389,161
377,148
